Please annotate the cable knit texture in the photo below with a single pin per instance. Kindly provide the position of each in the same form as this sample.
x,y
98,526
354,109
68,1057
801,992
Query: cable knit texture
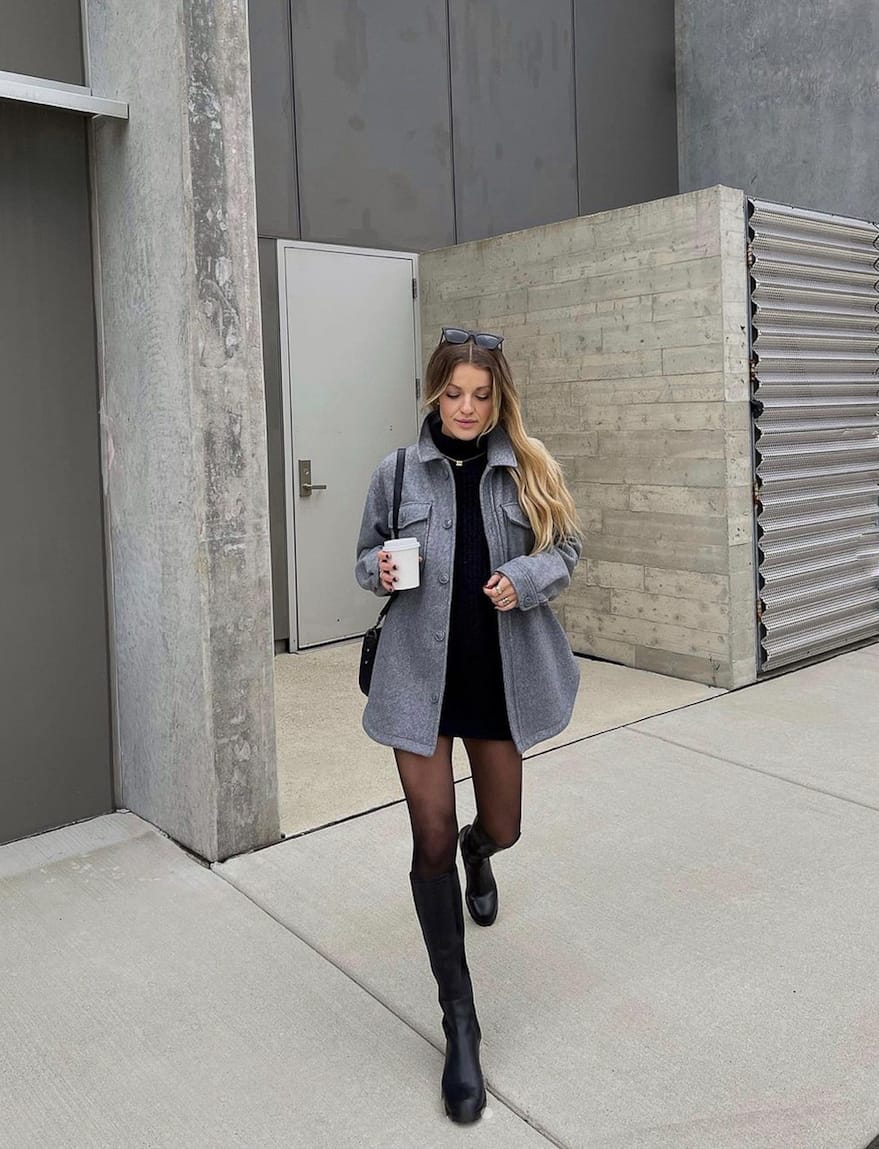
x,y
474,705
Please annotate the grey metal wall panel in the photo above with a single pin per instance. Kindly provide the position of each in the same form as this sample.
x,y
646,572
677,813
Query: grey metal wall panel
x,y
42,38
514,117
271,351
780,99
274,135
372,119
55,748
626,109
814,300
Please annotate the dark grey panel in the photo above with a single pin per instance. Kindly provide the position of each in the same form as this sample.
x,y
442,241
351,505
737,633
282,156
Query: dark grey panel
x,y
514,120
372,122
627,118
42,38
274,140
781,100
55,757
271,352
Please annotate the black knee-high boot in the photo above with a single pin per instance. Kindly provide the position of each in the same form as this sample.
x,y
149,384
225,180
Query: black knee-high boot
x,y
438,905
481,893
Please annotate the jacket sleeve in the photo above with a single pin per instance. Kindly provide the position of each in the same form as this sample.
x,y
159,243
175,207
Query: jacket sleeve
x,y
539,578
374,532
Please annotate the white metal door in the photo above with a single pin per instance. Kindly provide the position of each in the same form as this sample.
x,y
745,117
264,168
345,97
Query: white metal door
x,y
350,337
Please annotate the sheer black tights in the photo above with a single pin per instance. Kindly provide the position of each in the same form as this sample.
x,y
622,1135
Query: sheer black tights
x,y
430,796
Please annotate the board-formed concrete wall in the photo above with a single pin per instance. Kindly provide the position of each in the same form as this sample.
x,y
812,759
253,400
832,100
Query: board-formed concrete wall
x,y
627,333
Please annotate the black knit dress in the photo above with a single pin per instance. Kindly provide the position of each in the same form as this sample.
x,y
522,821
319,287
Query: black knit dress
x,y
474,705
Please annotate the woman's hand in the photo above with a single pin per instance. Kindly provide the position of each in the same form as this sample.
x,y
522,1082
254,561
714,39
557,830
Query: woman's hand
x,y
387,572
501,592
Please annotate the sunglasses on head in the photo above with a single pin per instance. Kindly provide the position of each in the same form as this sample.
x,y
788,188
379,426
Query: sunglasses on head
x,y
480,338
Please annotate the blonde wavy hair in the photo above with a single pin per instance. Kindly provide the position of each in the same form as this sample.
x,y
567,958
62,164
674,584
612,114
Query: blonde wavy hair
x,y
543,495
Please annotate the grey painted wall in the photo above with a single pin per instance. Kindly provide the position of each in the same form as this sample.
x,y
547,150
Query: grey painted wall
x,y
55,748
627,130
781,100
274,135
513,114
42,38
372,120
414,124
420,123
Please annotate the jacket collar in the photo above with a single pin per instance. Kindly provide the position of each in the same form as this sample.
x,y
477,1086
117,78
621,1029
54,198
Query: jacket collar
x,y
500,449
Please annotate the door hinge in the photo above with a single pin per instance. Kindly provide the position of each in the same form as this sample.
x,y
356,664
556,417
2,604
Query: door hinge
x,y
417,388
414,288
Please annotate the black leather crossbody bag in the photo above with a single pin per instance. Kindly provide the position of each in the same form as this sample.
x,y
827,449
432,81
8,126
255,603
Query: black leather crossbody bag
x,y
371,639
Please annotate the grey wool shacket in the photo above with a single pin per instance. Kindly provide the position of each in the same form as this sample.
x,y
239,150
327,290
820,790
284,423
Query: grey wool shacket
x,y
540,673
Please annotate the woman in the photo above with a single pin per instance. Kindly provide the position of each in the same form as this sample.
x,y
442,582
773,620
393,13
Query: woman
x,y
474,652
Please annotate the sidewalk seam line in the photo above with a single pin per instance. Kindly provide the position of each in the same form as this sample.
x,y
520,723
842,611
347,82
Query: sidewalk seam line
x,y
756,770
500,1097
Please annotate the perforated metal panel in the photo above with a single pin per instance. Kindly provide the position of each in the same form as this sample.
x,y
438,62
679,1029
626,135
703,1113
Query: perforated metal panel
x,y
815,376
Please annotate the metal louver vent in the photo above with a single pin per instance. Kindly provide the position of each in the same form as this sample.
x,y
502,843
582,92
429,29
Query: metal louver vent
x,y
815,388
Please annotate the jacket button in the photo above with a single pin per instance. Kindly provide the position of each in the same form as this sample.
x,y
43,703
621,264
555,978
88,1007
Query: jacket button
x,y
448,524
443,579
528,600
440,635
434,698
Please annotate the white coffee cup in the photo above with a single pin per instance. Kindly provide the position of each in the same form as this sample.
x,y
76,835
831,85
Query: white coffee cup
x,y
404,552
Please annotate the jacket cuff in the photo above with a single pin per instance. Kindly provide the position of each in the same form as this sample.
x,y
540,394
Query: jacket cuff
x,y
517,572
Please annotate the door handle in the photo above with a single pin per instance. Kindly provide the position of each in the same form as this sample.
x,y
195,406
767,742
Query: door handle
x,y
306,486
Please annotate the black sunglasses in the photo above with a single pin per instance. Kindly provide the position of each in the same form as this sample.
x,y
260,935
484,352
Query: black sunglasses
x,y
480,338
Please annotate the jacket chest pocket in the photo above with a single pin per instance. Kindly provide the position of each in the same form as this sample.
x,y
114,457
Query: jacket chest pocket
x,y
414,522
519,537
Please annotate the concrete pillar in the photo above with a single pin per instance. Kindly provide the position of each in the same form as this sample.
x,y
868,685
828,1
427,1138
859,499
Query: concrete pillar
x,y
184,422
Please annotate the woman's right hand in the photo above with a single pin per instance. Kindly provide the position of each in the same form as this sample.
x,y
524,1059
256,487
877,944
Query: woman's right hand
x,y
387,571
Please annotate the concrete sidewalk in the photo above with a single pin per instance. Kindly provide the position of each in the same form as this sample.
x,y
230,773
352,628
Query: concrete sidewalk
x,y
686,955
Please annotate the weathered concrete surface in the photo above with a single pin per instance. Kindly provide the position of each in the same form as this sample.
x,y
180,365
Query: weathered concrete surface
x,y
626,332
145,1004
685,951
184,420
780,99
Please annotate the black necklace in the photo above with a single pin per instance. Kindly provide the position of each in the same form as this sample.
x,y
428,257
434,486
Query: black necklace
x,y
461,462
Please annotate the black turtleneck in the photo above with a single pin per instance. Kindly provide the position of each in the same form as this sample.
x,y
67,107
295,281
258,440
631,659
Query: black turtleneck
x,y
473,705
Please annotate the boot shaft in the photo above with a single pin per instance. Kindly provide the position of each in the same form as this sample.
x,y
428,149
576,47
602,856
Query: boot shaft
x,y
440,914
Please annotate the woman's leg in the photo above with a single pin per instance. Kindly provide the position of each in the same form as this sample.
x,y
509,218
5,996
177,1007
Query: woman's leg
x,y
429,787
497,785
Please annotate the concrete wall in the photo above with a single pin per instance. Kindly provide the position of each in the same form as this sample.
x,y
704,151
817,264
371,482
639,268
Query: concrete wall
x,y
627,334
781,100
184,415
